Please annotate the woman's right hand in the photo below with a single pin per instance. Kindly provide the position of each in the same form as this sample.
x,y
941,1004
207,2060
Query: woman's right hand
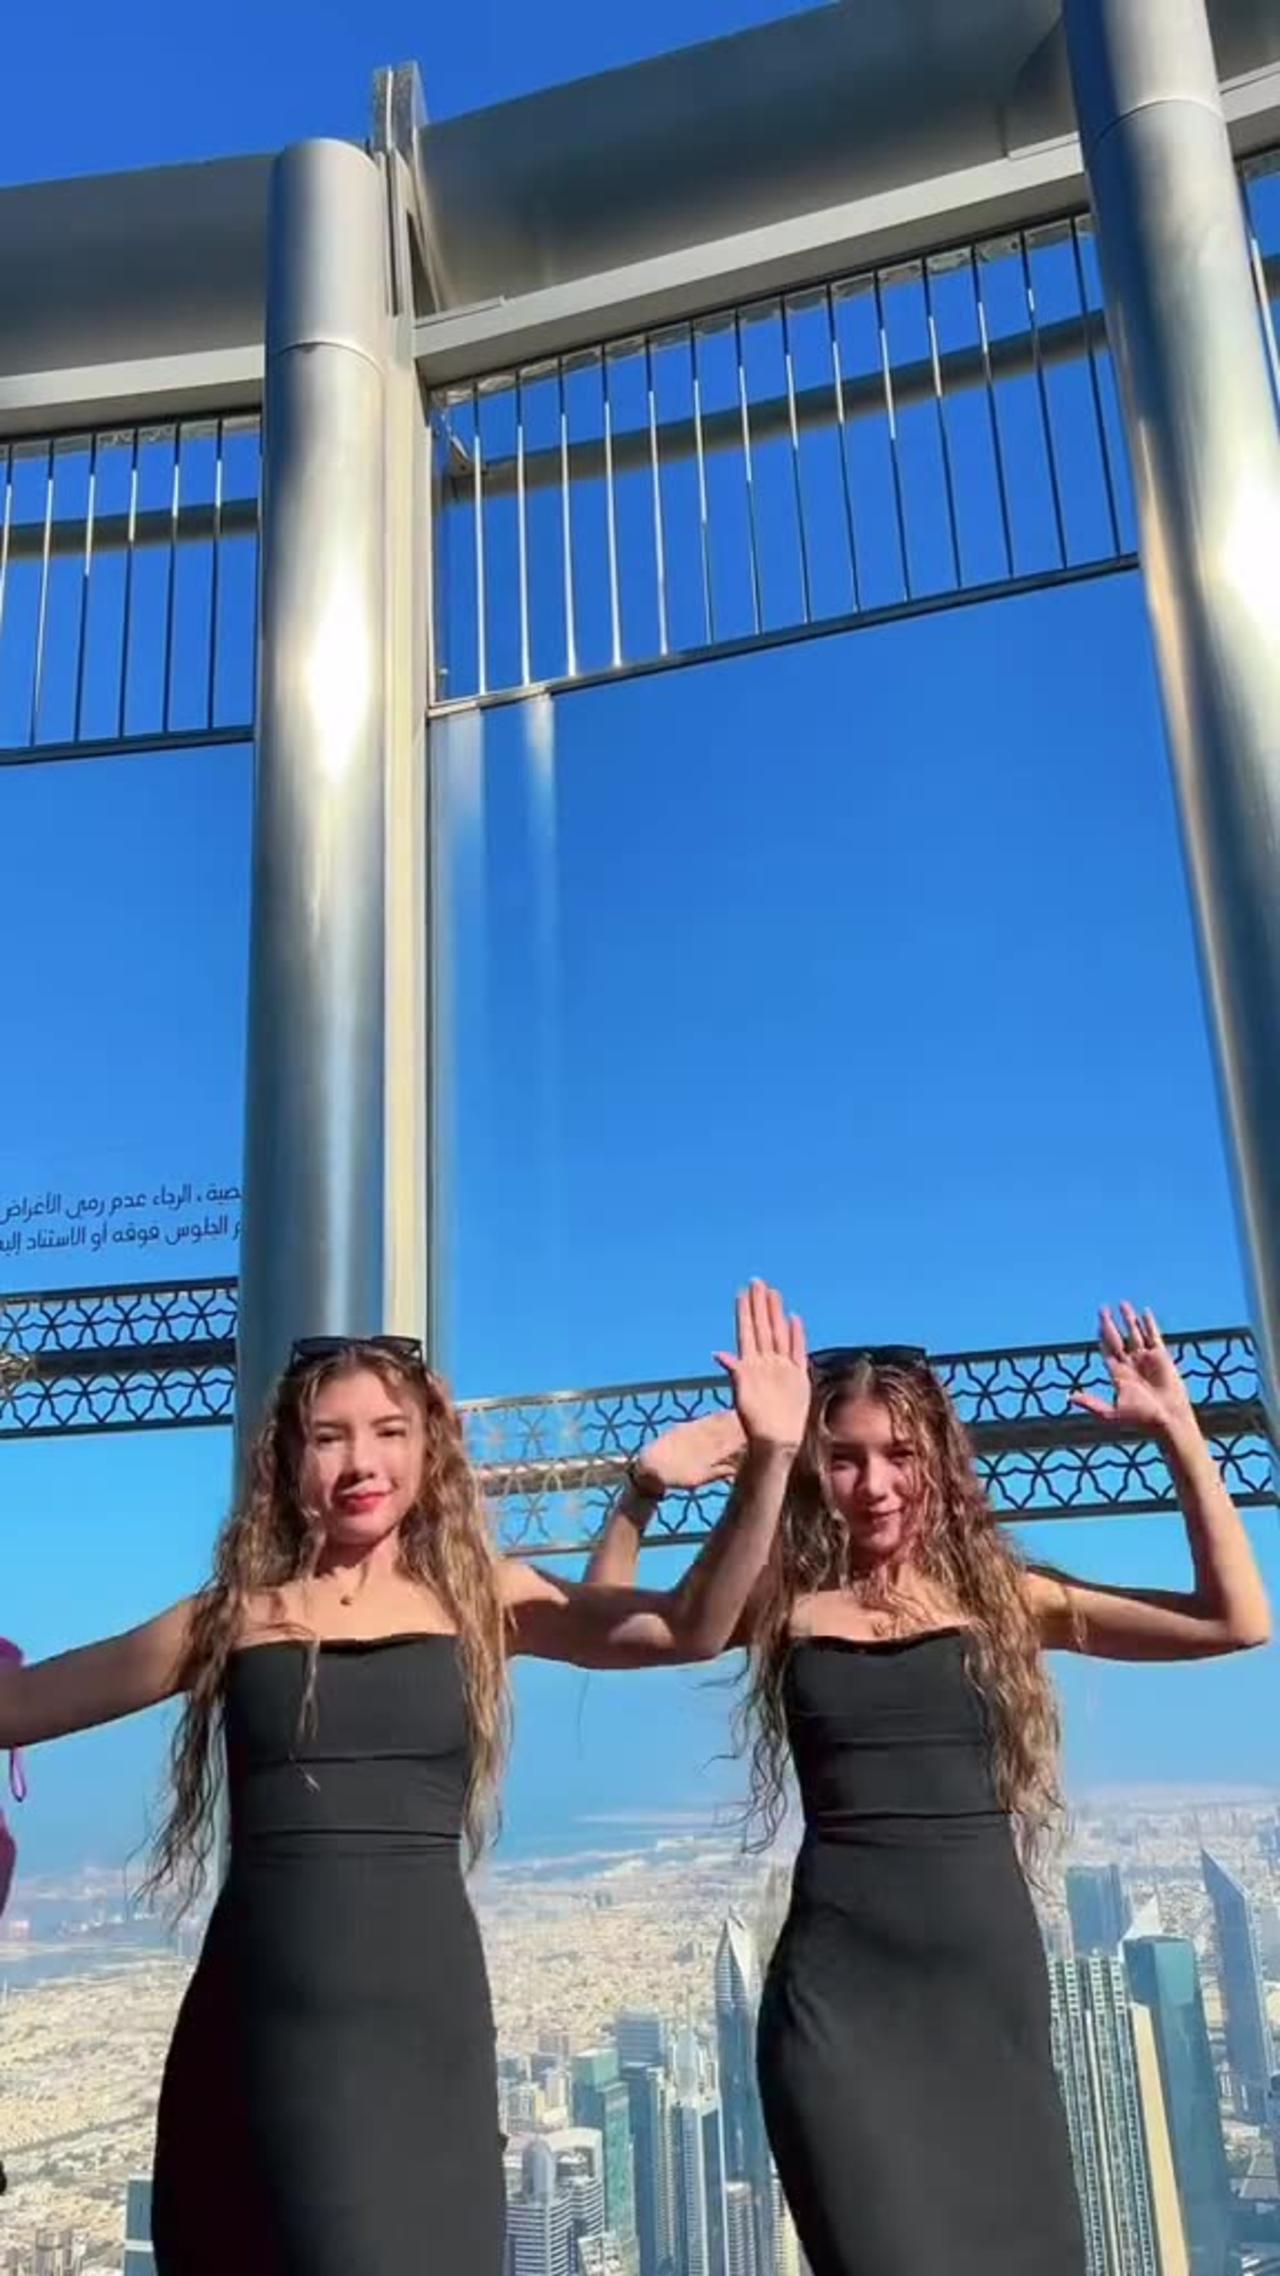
x,y
704,1452
772,1391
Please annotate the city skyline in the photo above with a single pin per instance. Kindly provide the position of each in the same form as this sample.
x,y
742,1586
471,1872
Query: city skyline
x,y
619,1977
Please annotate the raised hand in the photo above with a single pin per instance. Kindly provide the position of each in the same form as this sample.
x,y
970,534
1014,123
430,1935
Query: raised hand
x,y
693,1454
1150,1395
769,1371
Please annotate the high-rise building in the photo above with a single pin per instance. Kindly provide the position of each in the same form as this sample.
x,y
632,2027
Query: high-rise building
x,y
1097,1909
601,2100
540,2239
558,2203
650,2093
600,2256
697,2161
791,2260
642,2036
139,2260
1164,1979
740,2229
1250,2054
1114,2115
746,2144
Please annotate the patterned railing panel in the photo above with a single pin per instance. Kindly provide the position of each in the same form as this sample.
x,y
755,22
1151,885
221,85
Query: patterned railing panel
x,y
128,588
109,1360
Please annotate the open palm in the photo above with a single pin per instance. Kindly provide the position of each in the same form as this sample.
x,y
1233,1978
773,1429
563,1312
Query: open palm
x,y
1150,1395
693,1454
769,1371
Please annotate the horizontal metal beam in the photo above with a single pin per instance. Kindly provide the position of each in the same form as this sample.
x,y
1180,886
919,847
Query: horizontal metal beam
x,y
104,1361
1023,189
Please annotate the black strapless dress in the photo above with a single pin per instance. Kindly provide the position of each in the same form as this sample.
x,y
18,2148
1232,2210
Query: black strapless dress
x,y
904,2047
329,2105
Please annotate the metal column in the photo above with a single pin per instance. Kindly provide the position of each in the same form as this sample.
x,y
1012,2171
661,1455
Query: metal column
x,y
333,880
1202,434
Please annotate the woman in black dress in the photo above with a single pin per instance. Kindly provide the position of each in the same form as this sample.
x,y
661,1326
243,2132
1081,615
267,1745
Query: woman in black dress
x,y
897,1644
329,2103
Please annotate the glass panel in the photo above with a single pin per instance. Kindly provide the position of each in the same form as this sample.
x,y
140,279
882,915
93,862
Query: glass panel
x,y
125,892
866,920
101,1533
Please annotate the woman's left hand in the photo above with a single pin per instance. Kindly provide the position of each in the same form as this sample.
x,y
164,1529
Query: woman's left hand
x,y
769,1371
1150,1395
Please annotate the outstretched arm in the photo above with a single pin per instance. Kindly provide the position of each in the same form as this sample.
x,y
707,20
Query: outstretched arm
x,y
1226,1610
612,1626
97,1684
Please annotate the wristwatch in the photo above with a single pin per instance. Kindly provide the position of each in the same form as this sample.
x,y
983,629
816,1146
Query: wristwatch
x,y
639,1489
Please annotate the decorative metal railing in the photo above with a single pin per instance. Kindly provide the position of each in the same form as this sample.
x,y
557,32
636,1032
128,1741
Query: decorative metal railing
x,y
162,1358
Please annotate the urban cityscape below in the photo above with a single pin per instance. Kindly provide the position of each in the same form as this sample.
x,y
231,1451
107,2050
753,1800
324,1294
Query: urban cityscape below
x,y
626,1985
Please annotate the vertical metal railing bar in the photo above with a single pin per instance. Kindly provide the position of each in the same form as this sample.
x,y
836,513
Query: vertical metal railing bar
x,y
1042,390
745,413
886,378
5,525
82,623
655,464
42,614
171,576
944,439
215,570
704,518
611,524
566,529
989,389
1095,387
793,425
126,627
257,582
1260,287
477,482
837,378
522,537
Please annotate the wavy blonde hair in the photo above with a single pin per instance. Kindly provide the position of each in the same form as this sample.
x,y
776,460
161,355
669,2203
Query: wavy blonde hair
x,y
960,1550
272,1538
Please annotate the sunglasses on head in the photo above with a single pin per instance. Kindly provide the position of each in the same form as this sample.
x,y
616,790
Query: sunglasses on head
x,y
839,1358
308,1349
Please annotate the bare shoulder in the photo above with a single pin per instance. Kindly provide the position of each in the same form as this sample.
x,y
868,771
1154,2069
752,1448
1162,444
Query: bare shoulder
x,y
269,1613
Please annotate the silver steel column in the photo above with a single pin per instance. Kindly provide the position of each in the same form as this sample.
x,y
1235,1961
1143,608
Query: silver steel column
x,y
1206,459
313,1240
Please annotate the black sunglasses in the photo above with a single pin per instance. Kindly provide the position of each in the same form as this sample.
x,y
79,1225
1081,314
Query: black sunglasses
x,y
407,1349
836,1358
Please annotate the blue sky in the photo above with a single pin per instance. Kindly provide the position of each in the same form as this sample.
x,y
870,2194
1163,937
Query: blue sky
x,y
865,964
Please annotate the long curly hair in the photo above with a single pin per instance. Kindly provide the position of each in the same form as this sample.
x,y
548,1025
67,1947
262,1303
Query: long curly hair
x,y
272,1538
964,1559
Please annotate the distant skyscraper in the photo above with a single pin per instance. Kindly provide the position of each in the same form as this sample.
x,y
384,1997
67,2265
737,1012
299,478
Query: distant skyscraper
x,y
698,2162
1250,2054
740,2229
139,2260
791,2260
746,2145
600,2256
650,2092
601,2099
642,2037
1098,1909
1164,1979
559,2202
1098,2069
